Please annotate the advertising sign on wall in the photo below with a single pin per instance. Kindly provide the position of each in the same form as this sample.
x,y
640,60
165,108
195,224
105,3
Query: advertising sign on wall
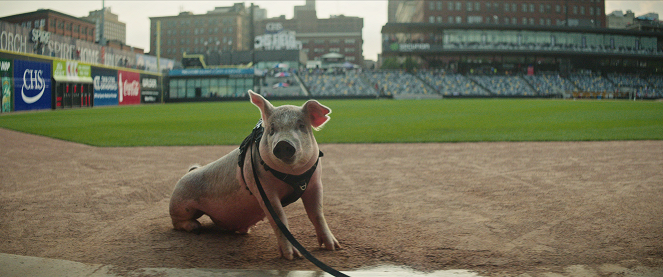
x,y
6,75
32,85
149,89
128,88
72,71
105,87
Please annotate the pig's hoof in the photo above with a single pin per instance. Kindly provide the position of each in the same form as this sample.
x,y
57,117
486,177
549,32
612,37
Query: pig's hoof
x,y
192,226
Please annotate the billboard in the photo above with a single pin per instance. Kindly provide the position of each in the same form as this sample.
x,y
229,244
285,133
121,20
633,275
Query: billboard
x,y
71,71
128,88
149,89
6,75
32,85
105,87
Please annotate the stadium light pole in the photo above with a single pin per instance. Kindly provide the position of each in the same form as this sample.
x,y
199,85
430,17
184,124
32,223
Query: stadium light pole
x,y
158,53
102,38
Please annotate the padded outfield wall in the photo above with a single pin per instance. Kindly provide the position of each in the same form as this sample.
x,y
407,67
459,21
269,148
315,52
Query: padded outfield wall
x,y
36,82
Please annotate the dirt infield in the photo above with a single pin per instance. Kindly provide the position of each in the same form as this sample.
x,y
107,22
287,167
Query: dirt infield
x,y
498,208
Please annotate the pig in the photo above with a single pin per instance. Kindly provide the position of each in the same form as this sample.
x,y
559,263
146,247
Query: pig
x,y
227,192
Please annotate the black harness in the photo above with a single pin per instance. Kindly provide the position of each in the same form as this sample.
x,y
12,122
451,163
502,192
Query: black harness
x,y
297,182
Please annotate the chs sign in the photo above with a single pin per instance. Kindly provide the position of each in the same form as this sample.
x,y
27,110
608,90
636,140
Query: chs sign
x,y
284,40
33,84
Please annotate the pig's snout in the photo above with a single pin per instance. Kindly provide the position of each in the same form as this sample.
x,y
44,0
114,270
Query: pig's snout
x,y
284,151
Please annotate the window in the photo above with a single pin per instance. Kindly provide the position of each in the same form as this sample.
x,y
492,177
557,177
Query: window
x,y
335,50
431,19
541,8
450,6
469,6
506,7
524,7
558,9
350,41
349,50
459,6
591,10
524,20
582,10
431,6
450,19
439,5
474,19
477,6
181,88
439,19
531,8
575,9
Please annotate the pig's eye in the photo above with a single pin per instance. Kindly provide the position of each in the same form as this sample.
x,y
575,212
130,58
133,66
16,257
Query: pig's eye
x,y
302,127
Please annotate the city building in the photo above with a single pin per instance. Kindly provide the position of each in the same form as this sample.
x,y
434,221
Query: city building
x,y
647,22
319,36
55,22
590,13
224,29
114,29
619,20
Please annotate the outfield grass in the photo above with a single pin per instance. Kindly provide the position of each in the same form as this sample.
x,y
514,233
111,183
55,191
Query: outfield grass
x,y
355,121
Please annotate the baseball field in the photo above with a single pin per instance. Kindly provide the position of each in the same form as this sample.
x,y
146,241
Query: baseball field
x,y
502,187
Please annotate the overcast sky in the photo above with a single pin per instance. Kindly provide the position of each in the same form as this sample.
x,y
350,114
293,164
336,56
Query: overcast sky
x,y
136,13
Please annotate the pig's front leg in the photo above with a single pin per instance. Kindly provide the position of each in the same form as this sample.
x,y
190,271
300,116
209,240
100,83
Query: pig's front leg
x,y
286,249
312,199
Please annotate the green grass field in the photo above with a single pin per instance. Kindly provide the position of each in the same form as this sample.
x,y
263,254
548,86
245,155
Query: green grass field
x,y
355,121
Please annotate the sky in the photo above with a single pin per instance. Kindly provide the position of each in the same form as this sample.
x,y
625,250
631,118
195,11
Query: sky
x,y
136,13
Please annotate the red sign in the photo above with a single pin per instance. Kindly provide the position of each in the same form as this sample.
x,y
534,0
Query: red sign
x,y
128,89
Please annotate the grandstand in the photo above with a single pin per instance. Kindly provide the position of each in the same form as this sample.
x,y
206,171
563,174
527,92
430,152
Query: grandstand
x,y
451,84
394,83
336,83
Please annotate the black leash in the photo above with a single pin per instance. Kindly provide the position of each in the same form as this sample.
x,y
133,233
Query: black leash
x,y
285,230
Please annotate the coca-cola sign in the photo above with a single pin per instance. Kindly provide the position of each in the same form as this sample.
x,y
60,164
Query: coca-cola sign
x,y
128,88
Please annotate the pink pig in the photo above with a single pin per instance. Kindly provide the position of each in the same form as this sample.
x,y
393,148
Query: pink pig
x,y
227,193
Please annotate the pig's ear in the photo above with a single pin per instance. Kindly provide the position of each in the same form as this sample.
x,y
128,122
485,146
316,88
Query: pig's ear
x,y
317,112
262,104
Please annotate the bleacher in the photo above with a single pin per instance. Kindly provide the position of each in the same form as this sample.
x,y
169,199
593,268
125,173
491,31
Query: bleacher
x,y
437,82
591,82
348,83
549,84
394,82
504,85
449,84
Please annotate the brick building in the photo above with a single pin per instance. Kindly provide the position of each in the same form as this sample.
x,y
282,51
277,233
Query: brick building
x,y
114,29
569,13
319,36
55,22
223,29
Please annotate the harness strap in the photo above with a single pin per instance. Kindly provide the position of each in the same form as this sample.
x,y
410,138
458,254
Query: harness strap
x,y
299,183
285,230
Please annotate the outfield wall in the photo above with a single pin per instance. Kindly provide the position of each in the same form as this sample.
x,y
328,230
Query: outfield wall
x,y
37,82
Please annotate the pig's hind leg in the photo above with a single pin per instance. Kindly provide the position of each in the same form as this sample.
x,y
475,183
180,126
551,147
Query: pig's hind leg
x,y
184,216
